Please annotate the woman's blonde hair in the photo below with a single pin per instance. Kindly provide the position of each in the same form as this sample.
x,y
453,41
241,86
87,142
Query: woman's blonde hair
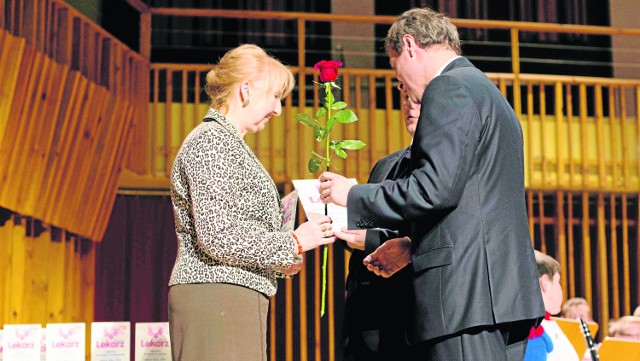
x,y
246,62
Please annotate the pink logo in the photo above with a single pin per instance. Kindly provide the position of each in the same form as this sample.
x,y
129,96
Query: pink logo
x,y
114,331
157,333
66,333
21,334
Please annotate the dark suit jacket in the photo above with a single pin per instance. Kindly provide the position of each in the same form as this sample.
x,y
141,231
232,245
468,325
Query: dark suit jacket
x,y
472,257
376,308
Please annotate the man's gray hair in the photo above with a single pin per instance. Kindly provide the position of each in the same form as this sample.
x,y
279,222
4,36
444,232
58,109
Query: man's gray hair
x,y
427,27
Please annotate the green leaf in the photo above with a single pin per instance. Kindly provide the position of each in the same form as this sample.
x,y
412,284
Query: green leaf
x,y
345,116
351,144
307,120
338,106
319,132
334,85
330,124
340,153
314,165
321,112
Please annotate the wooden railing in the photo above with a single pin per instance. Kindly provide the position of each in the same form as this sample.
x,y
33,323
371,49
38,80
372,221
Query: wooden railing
x,y
580,133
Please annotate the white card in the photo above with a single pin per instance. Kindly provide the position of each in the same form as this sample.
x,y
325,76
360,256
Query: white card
x,y
1,344
152,341
309,194
65,341
289,208
22,342
110,341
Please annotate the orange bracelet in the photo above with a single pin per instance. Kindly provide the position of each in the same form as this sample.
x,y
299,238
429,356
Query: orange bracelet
x,y
297,242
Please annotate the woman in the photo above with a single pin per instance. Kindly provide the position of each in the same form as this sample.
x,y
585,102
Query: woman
x,y
228,218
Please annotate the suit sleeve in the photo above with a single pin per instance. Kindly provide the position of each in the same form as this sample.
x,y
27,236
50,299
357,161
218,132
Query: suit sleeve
x,y
442,153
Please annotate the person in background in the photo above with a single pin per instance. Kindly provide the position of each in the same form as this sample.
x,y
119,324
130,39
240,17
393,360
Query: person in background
x,y
228,218
627,327
475,291
547,341
577,308
382,337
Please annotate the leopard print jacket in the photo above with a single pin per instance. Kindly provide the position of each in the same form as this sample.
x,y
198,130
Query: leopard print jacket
x,y
227,212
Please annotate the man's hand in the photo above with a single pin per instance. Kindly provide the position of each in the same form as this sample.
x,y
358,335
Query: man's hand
x,y
354,238
392,256
334,188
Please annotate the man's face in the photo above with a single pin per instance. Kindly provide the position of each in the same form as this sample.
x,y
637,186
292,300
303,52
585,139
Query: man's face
x,y
408,73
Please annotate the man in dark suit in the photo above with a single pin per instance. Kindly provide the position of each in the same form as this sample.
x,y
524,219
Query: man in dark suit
x,y
379,338
475,286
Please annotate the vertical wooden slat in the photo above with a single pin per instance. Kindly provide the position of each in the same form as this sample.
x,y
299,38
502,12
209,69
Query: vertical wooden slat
x,y
615,277
602,291
600,137
168,105
586,249
584,140
570,135
560,138
316,304
530,133
543,135
363,159
303,317
571,254
145,35
154,124
372,124
331,314
613,125
183,128
626,164
351,164
388,111
288,319
626,281
562,239
541,223
302,100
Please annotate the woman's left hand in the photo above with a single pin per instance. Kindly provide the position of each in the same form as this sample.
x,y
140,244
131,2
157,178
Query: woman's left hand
x,y
297,265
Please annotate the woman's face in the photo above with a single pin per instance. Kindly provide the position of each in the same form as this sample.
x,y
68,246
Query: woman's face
x,y
264,102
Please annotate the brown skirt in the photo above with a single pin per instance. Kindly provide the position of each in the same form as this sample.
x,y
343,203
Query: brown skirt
x,y
217,322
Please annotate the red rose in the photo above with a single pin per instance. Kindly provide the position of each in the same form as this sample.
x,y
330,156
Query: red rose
x,y
328,69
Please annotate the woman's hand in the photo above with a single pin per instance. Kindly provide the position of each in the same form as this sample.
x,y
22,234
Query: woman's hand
x,y
315,233
292,270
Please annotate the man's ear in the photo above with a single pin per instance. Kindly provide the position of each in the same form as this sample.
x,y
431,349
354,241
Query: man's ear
x,y
409,43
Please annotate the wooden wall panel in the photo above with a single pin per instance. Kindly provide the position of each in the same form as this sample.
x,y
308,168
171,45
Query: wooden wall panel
x,y
64,138
44,272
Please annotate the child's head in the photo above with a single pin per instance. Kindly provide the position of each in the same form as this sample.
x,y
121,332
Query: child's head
x,y
626,327
577,307
549,274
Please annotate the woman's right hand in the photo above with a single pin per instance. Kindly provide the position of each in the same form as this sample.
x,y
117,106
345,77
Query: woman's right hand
x,y
315,233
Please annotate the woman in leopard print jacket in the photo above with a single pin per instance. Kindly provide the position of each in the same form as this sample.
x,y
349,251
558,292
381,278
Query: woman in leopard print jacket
x,y
228,218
